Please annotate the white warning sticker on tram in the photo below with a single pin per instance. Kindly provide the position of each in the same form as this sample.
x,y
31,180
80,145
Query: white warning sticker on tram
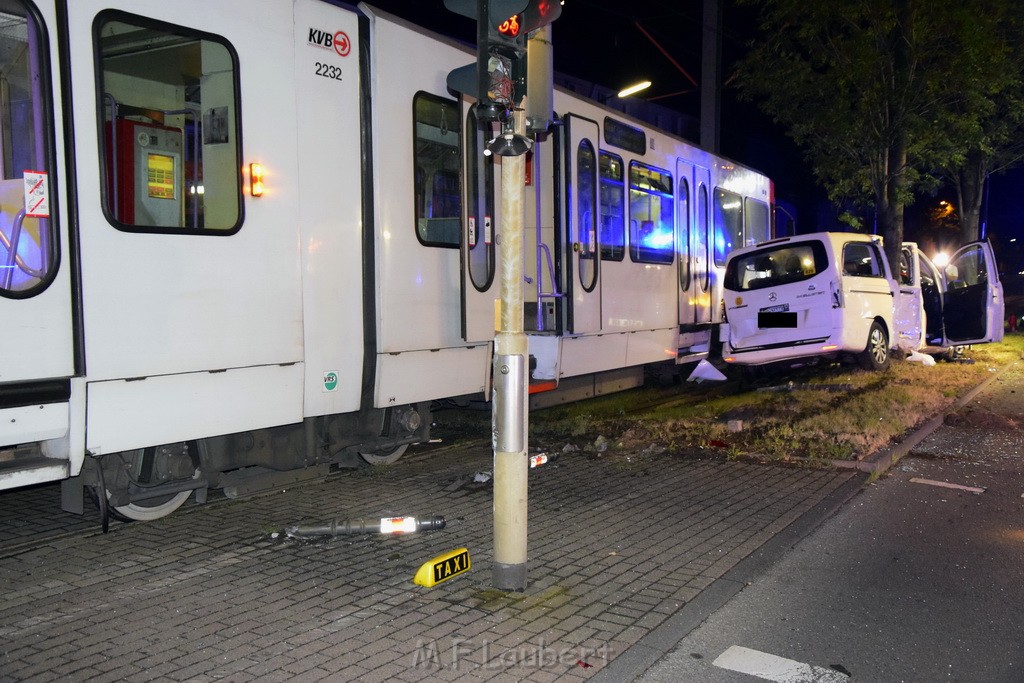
x,y
37,194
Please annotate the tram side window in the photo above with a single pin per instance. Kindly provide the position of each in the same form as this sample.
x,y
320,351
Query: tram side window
x,y
586,207
651,220
702,248
684,234
756,226
438,138
168,102
585,200
613,218
480,206
28,238
728,224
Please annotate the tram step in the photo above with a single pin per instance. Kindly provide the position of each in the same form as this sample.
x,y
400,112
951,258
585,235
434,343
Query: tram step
x,y
19,457
20,466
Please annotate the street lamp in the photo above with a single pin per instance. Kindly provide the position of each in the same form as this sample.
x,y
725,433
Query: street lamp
x,y
635,88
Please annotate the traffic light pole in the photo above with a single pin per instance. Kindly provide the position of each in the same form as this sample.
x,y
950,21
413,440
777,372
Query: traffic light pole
x,y
511,398
498,83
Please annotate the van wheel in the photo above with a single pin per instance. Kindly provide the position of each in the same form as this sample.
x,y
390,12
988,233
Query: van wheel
x,y
875,355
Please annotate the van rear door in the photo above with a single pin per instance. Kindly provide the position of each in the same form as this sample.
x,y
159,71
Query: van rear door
x,y
778,296
973,300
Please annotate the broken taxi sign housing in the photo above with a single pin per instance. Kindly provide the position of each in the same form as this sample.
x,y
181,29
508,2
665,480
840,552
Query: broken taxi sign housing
x,y
443,567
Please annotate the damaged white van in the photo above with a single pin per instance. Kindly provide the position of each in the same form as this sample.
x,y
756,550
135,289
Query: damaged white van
x,y
831,294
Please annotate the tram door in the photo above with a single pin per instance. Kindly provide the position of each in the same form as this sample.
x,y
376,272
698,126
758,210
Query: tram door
x,y
700,246
202,296
685,244
35,259
481,280
582,275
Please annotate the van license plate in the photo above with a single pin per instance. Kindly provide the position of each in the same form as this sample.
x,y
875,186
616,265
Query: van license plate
x,y
776,319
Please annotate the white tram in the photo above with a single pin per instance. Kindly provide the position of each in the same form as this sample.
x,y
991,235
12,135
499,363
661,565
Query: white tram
x,y
242,239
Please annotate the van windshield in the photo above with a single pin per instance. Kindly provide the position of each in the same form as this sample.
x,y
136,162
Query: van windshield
x,y
775,265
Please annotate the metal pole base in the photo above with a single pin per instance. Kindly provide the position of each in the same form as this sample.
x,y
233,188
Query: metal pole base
x,y
509,577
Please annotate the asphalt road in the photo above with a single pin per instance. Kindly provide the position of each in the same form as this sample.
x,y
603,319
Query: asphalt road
x,y
911,581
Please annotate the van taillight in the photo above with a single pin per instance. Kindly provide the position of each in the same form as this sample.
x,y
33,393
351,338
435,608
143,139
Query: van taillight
x,y
837,294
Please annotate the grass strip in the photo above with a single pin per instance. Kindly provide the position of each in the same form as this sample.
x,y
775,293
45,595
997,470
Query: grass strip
x,y
815,414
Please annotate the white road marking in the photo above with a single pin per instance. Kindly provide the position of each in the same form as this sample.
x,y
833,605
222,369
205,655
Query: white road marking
x,y
946,485
772,668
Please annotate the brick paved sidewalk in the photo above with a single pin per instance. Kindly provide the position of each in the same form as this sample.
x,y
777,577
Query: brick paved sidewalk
x,y
617,545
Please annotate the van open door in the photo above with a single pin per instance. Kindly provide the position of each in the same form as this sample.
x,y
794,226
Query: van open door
x,y
910,313
973,301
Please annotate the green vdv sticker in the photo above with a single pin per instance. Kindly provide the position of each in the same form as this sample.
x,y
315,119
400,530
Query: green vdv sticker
x,y
330,381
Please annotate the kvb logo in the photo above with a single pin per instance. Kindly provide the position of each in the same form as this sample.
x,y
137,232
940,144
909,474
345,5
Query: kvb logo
x,y
338,41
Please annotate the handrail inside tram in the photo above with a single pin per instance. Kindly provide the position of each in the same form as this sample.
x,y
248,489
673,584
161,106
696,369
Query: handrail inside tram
x,y
11,244
542,249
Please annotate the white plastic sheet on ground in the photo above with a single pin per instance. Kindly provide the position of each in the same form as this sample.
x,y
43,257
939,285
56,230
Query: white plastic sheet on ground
x,y
922,358
705,371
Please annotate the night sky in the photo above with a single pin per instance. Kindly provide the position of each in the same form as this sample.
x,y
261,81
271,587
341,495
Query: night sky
x,y
612,44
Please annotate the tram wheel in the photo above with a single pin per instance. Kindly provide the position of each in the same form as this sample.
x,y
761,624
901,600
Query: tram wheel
x,y
154,466
384,457
148,510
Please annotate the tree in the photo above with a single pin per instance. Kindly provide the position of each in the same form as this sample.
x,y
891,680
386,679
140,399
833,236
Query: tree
x,y
858,85
983,112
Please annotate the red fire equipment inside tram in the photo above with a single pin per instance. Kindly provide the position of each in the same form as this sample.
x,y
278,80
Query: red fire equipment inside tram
x,y
147,174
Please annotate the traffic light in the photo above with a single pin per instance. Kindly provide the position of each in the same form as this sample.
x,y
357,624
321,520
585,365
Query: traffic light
x,y
540,13
498,78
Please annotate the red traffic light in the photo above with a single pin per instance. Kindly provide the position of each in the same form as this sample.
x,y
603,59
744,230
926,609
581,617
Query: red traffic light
x,y
539,13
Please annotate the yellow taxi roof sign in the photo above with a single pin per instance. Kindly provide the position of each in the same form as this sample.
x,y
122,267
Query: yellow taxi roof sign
x,y
443,567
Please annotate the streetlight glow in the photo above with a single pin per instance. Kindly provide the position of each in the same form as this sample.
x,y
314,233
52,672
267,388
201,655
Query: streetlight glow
x,y
643,85
941,260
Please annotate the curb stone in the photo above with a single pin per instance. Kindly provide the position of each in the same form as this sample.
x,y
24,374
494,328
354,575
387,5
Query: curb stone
x,y
880,461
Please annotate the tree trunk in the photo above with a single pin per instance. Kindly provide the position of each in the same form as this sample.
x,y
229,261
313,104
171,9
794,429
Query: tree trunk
x,y
894,188
891,203
970,191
